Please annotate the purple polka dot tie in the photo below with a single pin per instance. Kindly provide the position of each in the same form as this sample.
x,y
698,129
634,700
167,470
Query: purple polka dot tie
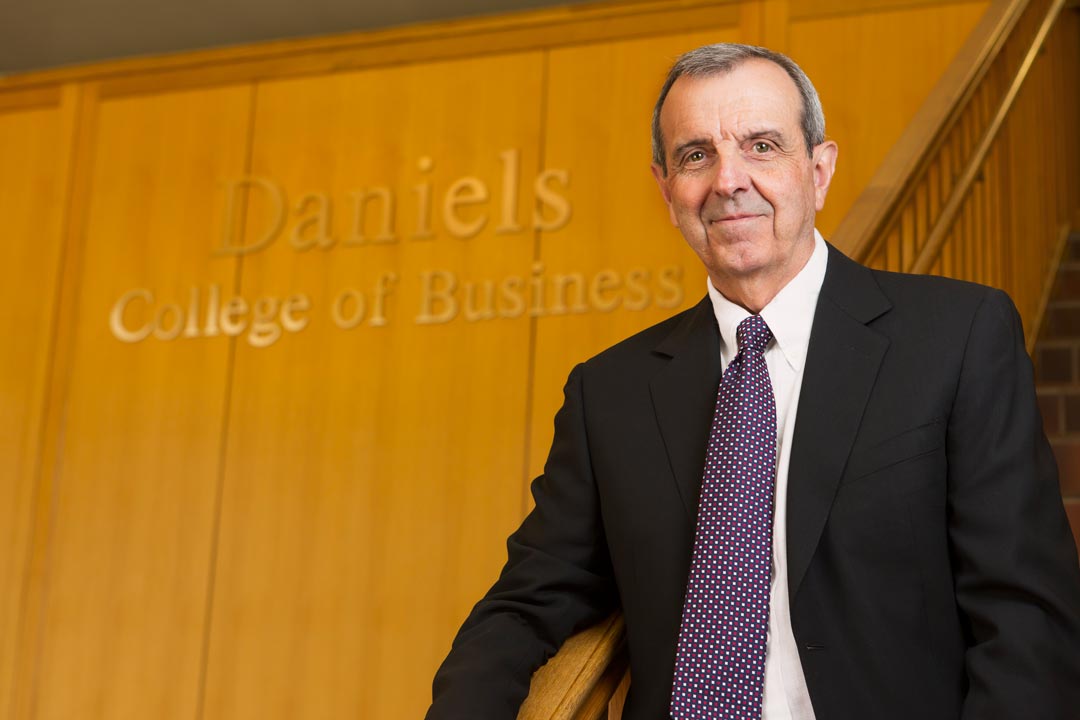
x,y
720,661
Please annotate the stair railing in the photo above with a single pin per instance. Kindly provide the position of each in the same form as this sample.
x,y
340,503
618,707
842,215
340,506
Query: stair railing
x,y
984,184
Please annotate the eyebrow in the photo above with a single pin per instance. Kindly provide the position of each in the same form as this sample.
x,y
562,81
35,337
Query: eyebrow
x,y
677,151
767,134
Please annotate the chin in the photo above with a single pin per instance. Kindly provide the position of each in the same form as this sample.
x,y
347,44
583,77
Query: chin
x,y
739,264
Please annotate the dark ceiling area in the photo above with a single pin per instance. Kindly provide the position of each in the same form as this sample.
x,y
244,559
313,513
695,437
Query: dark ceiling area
x,y
40,34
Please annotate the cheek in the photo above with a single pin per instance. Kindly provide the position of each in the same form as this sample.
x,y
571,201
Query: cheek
x,y
685,204
798,203
685,194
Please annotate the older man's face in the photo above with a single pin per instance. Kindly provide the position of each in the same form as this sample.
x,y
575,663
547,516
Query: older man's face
x,y
740,185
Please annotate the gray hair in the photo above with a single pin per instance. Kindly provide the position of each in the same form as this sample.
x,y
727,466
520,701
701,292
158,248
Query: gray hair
x,y
723,58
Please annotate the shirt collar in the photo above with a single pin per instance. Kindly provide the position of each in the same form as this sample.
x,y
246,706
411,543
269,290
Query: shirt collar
x,y
789,315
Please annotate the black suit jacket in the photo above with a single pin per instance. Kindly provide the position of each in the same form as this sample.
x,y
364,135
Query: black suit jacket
x,y
932,573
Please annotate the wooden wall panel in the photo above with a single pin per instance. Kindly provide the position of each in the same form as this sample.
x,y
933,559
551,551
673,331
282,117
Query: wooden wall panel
x,y
33,147
374,472
598,124
130,544
872,71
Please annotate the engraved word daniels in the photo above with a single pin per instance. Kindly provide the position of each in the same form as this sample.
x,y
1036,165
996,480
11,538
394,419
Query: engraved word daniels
x,y
258,213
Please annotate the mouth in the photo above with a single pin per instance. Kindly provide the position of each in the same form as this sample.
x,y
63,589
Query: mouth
x,y
735,218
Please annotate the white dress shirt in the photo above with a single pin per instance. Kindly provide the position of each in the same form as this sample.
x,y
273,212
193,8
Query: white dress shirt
x,y
789,315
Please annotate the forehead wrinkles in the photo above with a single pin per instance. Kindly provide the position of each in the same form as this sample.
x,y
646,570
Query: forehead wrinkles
x,y
753,96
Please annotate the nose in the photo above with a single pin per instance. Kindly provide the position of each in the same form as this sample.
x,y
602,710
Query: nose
x,y
732,174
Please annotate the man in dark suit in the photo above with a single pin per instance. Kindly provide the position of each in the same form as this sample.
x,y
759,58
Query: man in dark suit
x,y
921,562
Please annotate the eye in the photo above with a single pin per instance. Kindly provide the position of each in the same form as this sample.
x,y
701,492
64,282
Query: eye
x,y
761,147
694,156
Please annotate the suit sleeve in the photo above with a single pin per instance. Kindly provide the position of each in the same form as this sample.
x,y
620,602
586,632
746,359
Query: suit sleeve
x,y
557,579
1015,566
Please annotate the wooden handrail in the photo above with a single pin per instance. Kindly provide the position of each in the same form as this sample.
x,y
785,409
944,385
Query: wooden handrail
x,y
579,681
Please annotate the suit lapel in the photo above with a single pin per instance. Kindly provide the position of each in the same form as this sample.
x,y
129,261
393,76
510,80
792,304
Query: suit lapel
x,y
684,398
841,366
842,363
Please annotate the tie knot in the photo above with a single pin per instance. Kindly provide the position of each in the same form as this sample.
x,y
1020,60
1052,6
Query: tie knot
x,y
753,335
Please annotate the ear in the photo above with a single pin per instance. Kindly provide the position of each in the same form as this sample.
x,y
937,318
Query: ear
x,y
824,166
662,183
